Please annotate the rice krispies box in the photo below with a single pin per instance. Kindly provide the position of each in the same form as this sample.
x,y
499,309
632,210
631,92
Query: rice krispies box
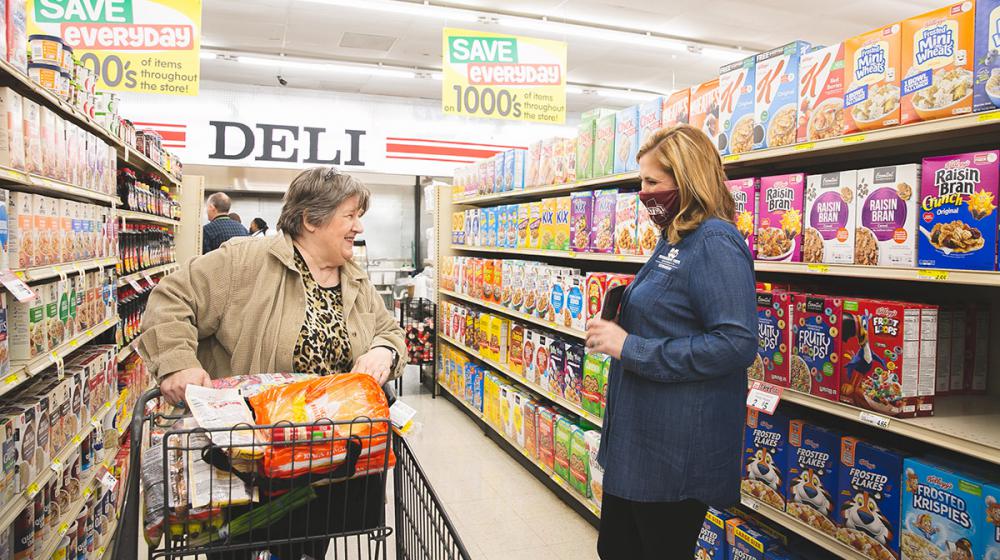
x,y
626,221
744,193
765,459
887,216
811,482
871,71
958,212
937,63
580,216
736,107
602,231
816,345
942,512
830,218
776,95
773,313
779,218
704,109
986,79
626,140
821,93
991,522
869,498
676,108
650,119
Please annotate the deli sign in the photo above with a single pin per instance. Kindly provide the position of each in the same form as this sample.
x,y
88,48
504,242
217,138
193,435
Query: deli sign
x,y
285,144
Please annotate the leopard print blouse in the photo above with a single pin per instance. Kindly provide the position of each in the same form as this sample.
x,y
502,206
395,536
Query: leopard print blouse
x,y
323,347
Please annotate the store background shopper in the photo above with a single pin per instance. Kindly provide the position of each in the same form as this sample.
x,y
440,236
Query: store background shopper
x,y
220,227
308,308
672,437
258,227
236,218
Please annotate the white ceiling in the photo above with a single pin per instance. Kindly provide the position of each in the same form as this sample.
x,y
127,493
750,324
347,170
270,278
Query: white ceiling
x,y
301,28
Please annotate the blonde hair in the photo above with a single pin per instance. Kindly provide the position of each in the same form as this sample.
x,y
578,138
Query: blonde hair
x,y
687,154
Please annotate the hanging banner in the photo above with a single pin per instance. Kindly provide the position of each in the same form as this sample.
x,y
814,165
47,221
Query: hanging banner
x,y
496,76
142,46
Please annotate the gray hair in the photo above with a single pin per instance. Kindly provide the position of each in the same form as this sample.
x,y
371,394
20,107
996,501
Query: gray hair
x,y
220,201
315,194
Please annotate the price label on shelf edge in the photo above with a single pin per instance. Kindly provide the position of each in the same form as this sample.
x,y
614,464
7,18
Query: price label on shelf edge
x,y
854,139
933,274
818,268
764,397
750,503
872,419
16,286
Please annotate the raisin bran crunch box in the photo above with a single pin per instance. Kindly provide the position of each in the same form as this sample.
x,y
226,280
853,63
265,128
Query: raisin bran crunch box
x,y
869,502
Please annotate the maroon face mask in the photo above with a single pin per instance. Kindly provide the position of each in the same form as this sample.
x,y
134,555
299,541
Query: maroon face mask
x,y
663,206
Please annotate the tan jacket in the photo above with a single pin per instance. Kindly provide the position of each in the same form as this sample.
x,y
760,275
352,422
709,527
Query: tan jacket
x,y
239,309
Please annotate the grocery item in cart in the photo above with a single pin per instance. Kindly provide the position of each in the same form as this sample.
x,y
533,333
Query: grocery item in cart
x,y
776,95
869,498
816,345
250,385
705,108
821,93
872,74
736,107
626,140
744,193
774,312
887,216
764,458
779,218
811,484
958,204
831,217
937,63
675,108
986,86
942,509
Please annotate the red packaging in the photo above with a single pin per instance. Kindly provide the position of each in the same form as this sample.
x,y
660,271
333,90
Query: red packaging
x,y
816,346
773,336
488,271
597,285
821,91
546,431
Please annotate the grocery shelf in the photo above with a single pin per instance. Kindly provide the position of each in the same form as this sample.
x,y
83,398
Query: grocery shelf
x,y
550,190
140,160
124,353
597,257
14,507
141,275
516,314
87,485
43,185
131,216
38,273
819,538
574,408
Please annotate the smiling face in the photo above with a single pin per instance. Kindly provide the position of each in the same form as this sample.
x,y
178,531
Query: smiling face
x,y
335,239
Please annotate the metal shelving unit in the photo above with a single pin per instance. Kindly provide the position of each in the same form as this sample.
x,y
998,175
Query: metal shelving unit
x,y
130,216
150,272
515,314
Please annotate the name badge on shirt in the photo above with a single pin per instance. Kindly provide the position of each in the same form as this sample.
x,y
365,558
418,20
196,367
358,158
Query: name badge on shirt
x,y
670,261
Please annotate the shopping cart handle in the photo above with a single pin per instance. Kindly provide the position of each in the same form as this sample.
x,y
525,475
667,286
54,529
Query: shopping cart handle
x,y
390,393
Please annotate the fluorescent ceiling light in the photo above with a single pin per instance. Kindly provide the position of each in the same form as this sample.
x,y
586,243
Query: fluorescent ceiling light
x,y
408,8
207,55
363,70
586,32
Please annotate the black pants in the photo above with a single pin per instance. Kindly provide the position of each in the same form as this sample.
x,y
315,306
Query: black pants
x,y
649,530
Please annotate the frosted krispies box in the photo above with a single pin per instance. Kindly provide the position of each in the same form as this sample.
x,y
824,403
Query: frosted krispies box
x,y
744,192
887,216
986,69
821,93
811,479
736,107
764,457
830,218
779,218
958,212
869,498
942,512
626,140
776,87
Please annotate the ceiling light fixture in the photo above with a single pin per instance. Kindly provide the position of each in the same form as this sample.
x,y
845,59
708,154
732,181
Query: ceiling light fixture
x,y
409,8
364,70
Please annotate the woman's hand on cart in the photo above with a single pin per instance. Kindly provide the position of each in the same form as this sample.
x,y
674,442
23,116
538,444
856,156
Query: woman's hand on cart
x,y
173,385
377,363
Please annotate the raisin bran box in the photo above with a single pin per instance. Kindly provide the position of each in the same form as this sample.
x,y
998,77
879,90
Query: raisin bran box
x,y
776,95
811,484
626,140
773,314
676,108
816,345
744,192
580,216
779,218
736,107
871,71
887,216
712,537
942,512
991,521
602,231
704,109
821,93
986,78
870,500
958,211
765,458
830,218
650,119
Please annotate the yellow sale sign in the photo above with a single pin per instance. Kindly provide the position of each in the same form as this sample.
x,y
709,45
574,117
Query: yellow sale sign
x,y
499,76
142,46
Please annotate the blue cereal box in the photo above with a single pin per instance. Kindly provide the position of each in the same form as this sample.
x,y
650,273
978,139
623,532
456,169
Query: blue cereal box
x,y
509,162
942,512
776,95
986,65
626,140
512,225
990,524
870,498
499,168
492,228
958,212
752,544
811,488
650,119
765,458
502,225
736,107
712,537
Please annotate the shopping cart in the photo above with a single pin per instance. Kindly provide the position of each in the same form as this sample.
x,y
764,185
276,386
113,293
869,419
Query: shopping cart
x,y
417,319
333,516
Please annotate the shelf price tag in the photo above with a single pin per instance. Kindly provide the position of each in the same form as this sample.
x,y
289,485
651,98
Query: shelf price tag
x,y
853,139
876,420
62,529
938,275
87,492
750,503
32,489
147,278
77,440
991,116
17,287
11,379
731,158
818,268
135,285
804,146
764,397
56,466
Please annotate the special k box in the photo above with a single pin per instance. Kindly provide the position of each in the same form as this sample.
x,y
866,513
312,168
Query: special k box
x,y
937,60
650,119
779,218
736,107
704,110
776,95
821,93
676,108
744,192
871,67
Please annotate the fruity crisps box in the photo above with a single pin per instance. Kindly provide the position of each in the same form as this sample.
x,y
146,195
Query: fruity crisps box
x,y
779,218
773,313
816,345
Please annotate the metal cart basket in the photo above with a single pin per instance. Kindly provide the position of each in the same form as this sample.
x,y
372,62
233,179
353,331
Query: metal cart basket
x,y
223,506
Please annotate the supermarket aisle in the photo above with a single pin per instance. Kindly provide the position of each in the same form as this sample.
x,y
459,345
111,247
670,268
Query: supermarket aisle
x,y
501,511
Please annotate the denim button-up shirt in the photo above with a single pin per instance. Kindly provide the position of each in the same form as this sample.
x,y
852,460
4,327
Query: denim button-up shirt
x,y
673,427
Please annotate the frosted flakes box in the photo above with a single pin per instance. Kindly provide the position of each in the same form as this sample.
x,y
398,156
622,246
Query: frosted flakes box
x,y
869,501
647,234
676,108
650,119
830,218
887,216
585,149
626,140
736,107
581,214
773,338
744,193
872,74
821,93
937,51
626,221
704,108
958,205
602,232
711,543
986,86
604,146
765,460
776,95
942,514
779,218
816,345
812,475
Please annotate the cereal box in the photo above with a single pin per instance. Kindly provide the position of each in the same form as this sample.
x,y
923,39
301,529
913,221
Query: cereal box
x,y
555,374
779,218
585,149
561,439
547,227
579,462
546,437
773,338
675,108
547,162
744,192
573,373
508,161
11,135
937,63
32,115
986,87
574,315
27,334
881,352
959,325
543,353
487,179
523,221
821,93
816,346
528,355
830,218
499,168
597,283
559,161
626,221
751,543
626,140
604,146
512,225
650,119
872,74
942,512
991,522
593,438
958,205
533,165
711,543
647,234
811,485
602,231
942,383
569,155
543,289
977,350
736,107
581,214
869,501
501,214
561,225
887,216
704,107
764,458
776,95
534,225
557,296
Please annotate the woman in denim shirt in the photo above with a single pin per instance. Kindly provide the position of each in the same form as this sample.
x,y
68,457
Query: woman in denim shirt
x,y
685,334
